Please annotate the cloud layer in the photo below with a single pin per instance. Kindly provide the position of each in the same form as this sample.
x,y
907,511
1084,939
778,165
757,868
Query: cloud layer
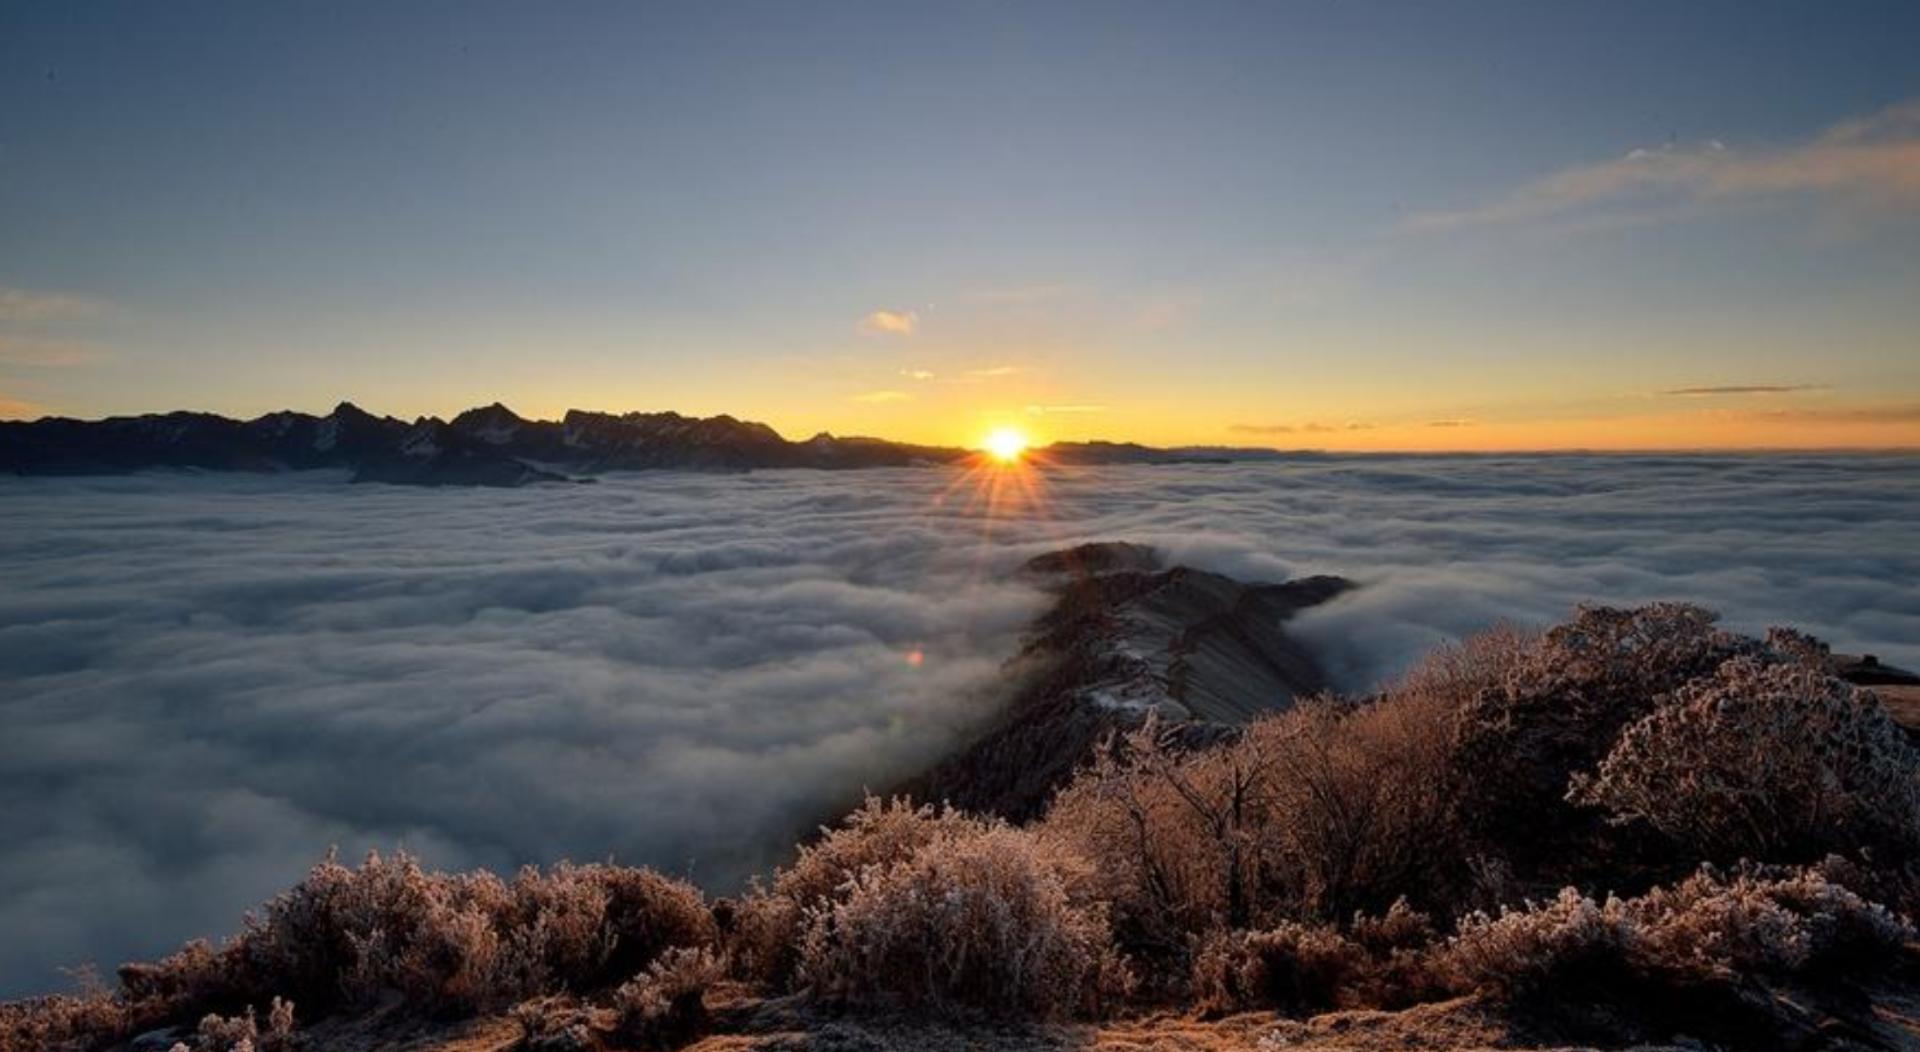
x,y
207,680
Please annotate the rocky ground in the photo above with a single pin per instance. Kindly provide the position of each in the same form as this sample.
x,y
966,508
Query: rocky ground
x,y
1887,1020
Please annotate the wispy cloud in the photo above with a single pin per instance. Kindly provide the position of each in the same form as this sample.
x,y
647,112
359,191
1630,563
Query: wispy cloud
x,y
890,323
883,396
1311,427
917,374
24,305
45,354
982,375
1042,410
16,409
1873,160
1450,423
1898,413
1742,389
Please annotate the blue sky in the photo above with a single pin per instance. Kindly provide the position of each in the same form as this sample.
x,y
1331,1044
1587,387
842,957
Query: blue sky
x,y
1368,225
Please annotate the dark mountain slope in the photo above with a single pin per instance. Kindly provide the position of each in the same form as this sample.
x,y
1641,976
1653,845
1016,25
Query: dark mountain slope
x,y
1126,638
487,446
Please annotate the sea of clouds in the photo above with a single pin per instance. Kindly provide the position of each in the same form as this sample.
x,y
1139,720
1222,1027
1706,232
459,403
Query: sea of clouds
x,y
207,680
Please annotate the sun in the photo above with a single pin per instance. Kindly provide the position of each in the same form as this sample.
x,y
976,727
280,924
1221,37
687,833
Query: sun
x,y
1005,444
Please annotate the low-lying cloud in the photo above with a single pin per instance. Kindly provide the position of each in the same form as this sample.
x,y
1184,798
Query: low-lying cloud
x,y
205,681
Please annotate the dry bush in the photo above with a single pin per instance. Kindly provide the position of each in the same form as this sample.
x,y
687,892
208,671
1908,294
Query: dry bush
x,y
664,1006
1362,803
1314,813
1380,961
353,934
1767,920
186,982
241,1033
445,943
1554,708
1781,922
1456,674
464,942
558,1023
984,916
63,1023
647,913
767,923
1773,761
1571,940
1292,967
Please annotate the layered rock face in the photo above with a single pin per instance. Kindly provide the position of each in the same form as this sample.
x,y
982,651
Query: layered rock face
x,y
1125,638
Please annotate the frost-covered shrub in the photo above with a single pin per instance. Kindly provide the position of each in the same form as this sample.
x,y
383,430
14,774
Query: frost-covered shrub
x,y
555,927
1401,928
647,914
386,926
983,917
1359,804
1456,673
447,943
664,1006
1776,761
63,1023
768,923
1313,813
241,1033
1292,967
1568,941
1764,921
1379,961
559,1023
467,941
1557,705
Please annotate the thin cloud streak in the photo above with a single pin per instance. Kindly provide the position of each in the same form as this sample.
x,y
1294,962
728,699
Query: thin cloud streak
x,y
1743,389
46,354
27,306
1876,414
1043,410
1870,162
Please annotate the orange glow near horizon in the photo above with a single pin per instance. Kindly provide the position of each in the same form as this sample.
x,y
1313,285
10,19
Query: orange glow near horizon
x,y
1005,444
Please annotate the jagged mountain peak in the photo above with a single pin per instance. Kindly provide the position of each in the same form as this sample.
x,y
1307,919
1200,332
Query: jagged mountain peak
x,y
486,445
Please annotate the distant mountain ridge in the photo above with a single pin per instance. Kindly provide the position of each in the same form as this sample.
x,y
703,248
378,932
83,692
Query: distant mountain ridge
x,y
487,446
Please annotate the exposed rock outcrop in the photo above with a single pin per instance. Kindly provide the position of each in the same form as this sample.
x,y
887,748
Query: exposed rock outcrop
x,y
1123,639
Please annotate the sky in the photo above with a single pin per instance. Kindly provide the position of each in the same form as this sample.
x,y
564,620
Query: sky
x,y
1342,226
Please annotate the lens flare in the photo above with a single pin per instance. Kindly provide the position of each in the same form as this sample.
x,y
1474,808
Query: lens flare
x,y
1005,444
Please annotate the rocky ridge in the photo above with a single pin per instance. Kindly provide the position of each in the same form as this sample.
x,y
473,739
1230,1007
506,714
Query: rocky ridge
x,y
486,446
